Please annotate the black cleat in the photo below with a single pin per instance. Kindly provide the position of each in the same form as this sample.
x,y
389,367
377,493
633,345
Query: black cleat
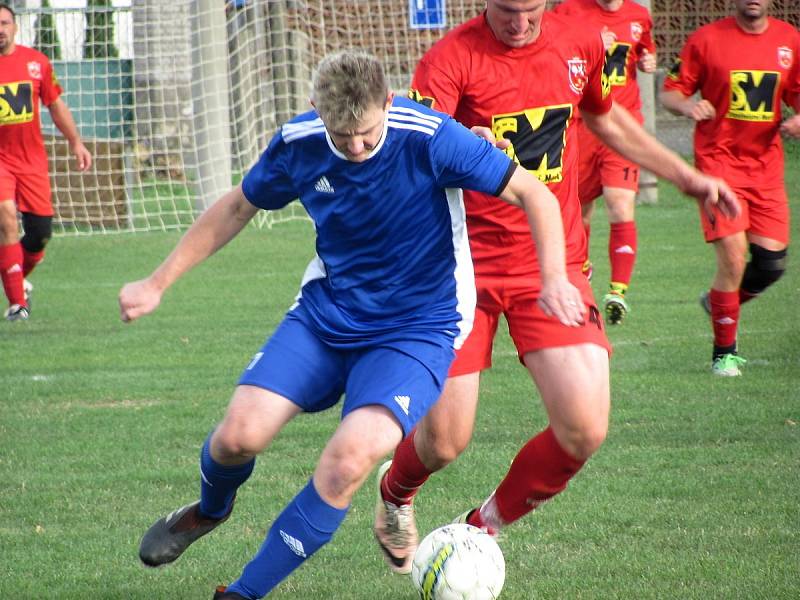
x,y
221,594
167,538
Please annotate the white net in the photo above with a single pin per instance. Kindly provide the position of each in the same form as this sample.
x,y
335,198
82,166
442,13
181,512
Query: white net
x,y
176,100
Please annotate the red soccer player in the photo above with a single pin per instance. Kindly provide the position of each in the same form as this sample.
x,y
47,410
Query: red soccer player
x,y
26,76
743,66
625,28
517,75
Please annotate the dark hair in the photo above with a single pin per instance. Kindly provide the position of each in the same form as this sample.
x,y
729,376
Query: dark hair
x,y
9,9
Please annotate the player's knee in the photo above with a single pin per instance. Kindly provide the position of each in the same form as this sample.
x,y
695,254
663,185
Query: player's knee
x,y
38,231
765,268
439,448
340,474
236,440
9,229
733,264
584,441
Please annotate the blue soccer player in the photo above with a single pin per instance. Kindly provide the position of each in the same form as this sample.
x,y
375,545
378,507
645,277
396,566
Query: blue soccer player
x,y
382,306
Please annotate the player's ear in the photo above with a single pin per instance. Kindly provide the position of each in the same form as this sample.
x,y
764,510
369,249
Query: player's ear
x,y
389,98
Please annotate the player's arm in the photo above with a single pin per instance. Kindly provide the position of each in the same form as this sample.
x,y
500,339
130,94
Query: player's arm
x,y
558,297
697,109
622,133
62,117
790,127
218,225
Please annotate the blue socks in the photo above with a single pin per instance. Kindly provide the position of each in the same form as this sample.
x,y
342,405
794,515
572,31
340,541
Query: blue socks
x,y
218,483
305,525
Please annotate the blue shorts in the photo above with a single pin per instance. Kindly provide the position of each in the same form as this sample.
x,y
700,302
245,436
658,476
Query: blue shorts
x,y
298,365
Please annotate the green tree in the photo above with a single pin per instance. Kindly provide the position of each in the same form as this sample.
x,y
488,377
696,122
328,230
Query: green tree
x,y
99,41
46,40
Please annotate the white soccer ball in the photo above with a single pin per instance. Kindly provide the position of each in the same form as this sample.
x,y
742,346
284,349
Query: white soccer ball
x,y
458,562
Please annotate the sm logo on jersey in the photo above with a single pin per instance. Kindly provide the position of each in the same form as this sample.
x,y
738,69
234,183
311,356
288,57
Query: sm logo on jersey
x,y
419,98
754,95
538,137
616,62
16,103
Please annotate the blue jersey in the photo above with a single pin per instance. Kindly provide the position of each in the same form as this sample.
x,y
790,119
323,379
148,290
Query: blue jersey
x,y
393,257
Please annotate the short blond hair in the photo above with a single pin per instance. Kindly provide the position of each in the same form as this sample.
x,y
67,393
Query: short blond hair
x,y
346,85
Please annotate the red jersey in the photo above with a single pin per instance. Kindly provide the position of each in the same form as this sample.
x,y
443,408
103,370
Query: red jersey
x,y
528,96
744,76
632,25
26,76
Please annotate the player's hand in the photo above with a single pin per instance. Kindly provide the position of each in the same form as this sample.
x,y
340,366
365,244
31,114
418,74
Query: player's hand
x,y
560,299
83,158
486,133
137,299
702,110
647,62
608,37
714,193
791,127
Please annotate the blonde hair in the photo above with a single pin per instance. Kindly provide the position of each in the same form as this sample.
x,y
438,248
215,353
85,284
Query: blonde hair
x,y
346,85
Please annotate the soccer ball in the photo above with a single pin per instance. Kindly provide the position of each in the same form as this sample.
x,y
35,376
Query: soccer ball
x,y
458,562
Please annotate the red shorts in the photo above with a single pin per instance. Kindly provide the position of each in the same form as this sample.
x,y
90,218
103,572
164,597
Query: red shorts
x,y
599,167
530,328
30,191
765,212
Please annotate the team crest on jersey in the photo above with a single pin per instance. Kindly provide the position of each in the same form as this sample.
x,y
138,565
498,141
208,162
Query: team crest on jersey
x,y
636,31
35,69
785,57
577,74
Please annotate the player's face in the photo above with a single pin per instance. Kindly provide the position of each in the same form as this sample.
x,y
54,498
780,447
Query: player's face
x,y
752,9
358,142
516,23
8,29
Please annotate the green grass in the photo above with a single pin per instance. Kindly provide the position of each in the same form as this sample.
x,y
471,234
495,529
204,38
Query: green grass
x,y
694,495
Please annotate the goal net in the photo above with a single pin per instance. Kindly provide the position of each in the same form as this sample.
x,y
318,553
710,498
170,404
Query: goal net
x,y
176,99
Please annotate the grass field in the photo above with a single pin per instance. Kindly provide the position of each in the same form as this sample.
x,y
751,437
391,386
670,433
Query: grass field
x,y
695,495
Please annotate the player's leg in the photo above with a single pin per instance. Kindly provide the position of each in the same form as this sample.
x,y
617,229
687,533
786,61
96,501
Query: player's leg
x,y
38,229
590,185
387,392
587,210
574,384
769,238
570,367
294,371
622,248
723,298
766,266
438,439
227,459
11,256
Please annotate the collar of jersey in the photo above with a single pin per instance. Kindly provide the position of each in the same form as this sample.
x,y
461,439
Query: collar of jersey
x,y
375,151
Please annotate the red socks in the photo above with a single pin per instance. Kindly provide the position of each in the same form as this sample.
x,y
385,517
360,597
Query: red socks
x,y
541,469
724,317
622,252
406,475
11,273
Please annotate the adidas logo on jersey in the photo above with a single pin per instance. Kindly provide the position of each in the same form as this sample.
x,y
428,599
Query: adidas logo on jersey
x,y
294,544
324,186
403,402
